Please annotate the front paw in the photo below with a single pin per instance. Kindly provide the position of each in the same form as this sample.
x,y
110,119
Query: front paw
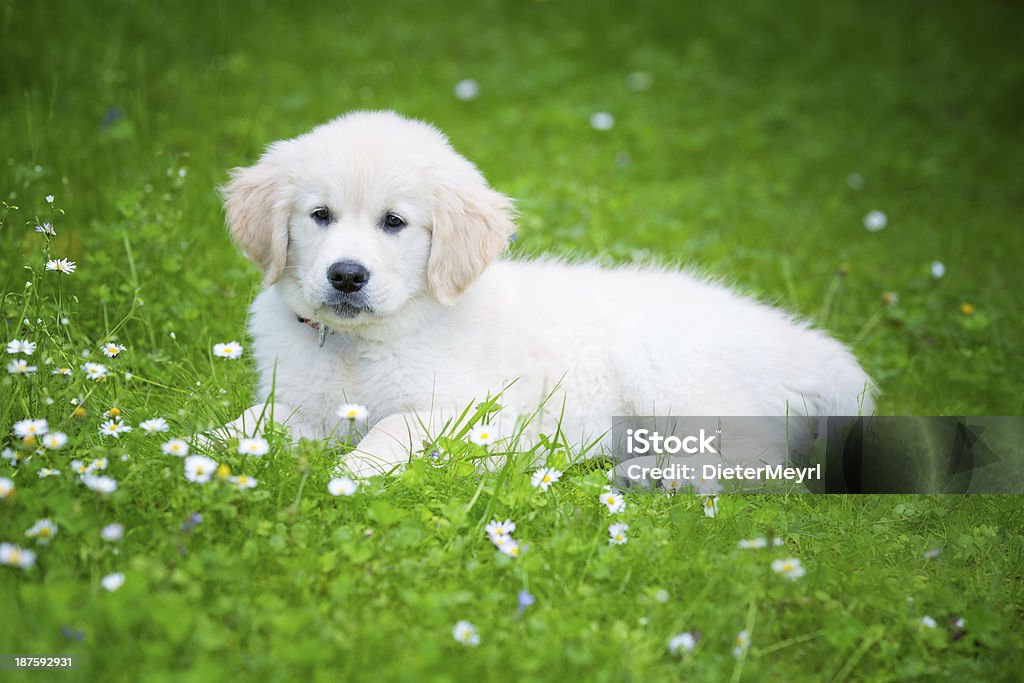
x,y
377,453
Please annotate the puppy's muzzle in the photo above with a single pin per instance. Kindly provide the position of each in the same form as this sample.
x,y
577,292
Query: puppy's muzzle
x,y
348,276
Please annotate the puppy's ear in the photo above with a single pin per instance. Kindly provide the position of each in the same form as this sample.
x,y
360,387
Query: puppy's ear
x,y
257,215
472,225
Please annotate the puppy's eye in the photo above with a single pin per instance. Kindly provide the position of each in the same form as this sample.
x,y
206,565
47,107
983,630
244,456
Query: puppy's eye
x,y
322,215
392,221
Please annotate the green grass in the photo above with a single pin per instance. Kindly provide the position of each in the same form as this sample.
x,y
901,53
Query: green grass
x,y
736,160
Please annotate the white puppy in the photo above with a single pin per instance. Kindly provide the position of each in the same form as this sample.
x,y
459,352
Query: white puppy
x,y
379,247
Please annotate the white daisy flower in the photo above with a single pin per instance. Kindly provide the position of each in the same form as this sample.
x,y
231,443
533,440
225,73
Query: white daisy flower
x,y
465,633
21,346
510,547
545,477
48,472
95,371
938,269
6,487
112,582
255,447
243,482
55,440
64,372
613,500
342,486
112,350
157,424
500,540
467,89
114,428
25,428
61,265
682,643
13,556
711,506
21,367
96,465
46,229
79,467
928,622
352,411
104,485
175,447
12,456
230,350
496,528
617,532
741,644
43,530
483,435
672,486
602,120
112,533
199,468
875,221
790,568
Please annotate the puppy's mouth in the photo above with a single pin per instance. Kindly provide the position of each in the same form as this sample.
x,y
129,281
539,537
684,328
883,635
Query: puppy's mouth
x,y
346,307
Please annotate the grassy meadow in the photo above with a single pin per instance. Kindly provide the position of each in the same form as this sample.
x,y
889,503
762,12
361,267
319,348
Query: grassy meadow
x,y
749,140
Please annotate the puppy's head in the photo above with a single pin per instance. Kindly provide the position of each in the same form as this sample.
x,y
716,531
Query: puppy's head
x,y
363,214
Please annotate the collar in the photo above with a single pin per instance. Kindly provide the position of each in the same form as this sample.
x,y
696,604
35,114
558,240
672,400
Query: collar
x,y
319,327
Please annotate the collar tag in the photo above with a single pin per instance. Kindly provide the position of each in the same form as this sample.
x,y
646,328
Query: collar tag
x,y
322,330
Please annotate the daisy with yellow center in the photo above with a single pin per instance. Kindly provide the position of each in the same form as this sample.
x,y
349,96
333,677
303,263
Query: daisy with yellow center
x,y
175,447
352,411
61,266
243,482
21,367
13,556
114,428
465,633
617,532
544,478
342,486
256,447
113,350
510,547
199,468
483,435
741,644
95,371
496,528
33,428
231,350
789,567
43,530
613,500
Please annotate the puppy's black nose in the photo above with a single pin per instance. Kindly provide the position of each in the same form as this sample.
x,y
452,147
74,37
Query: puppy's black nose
x,y
347,276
